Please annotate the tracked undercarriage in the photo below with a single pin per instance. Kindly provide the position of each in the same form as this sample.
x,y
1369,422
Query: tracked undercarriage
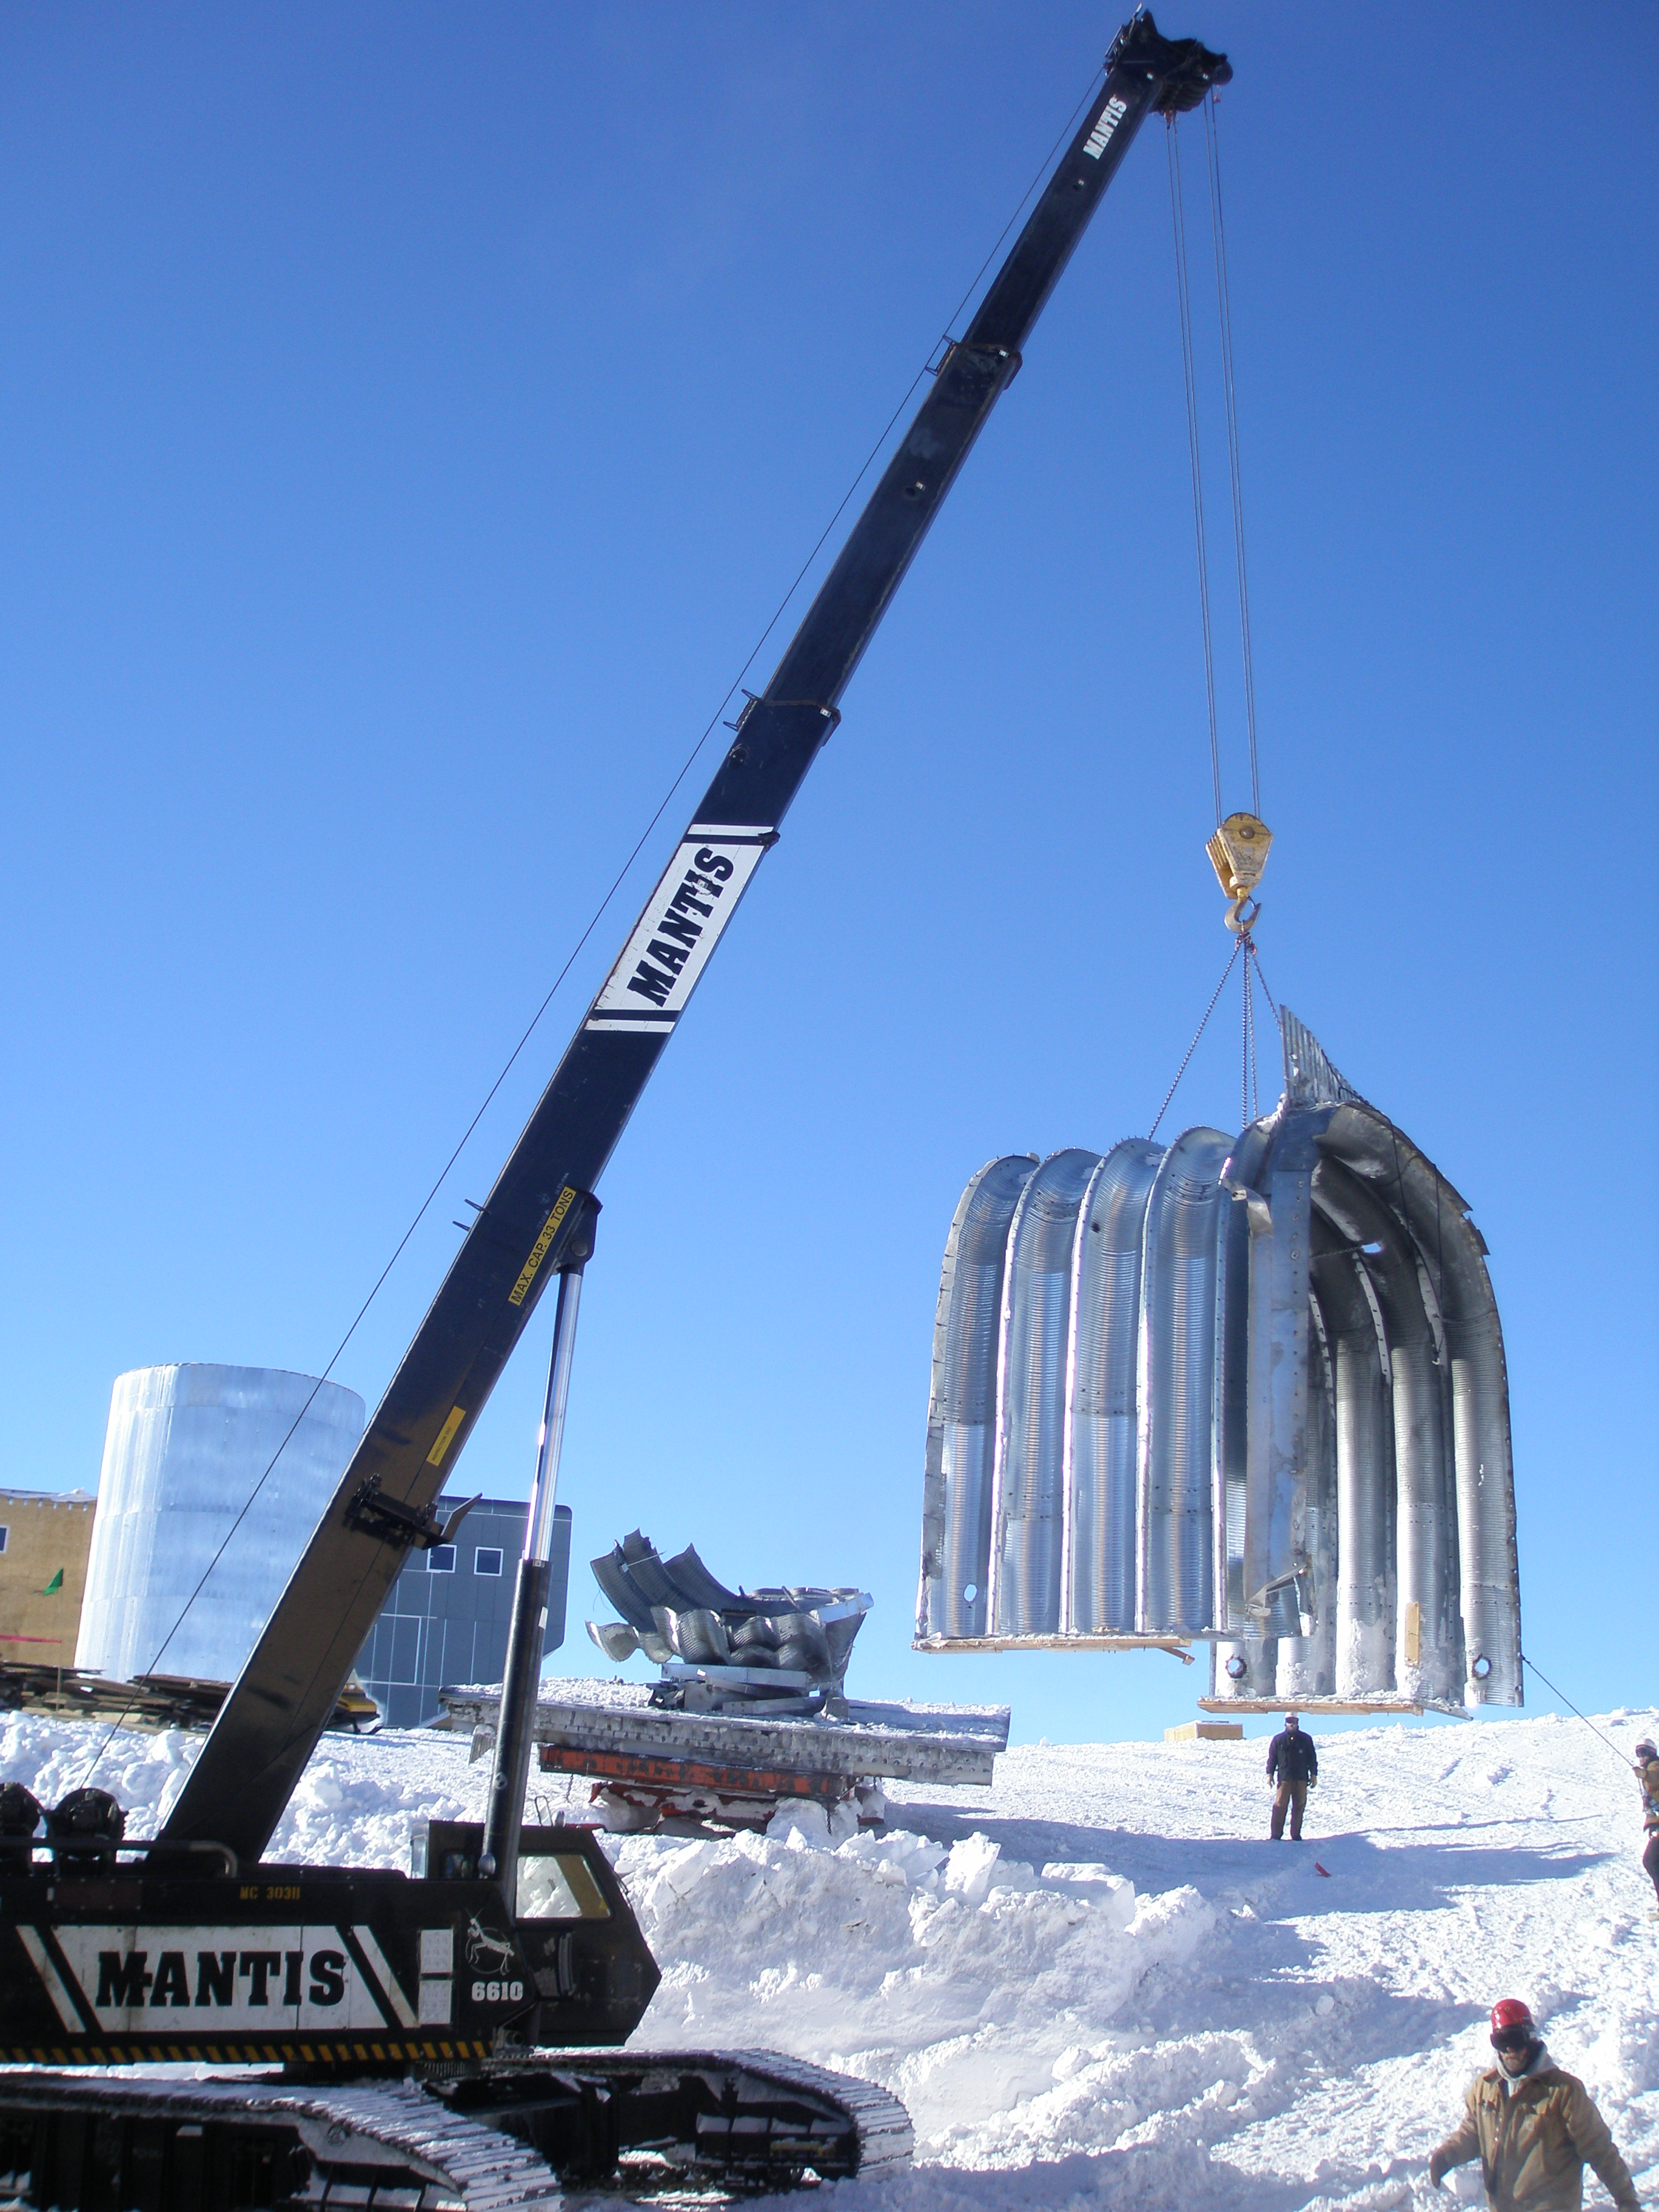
x,y
508,2133
415,2039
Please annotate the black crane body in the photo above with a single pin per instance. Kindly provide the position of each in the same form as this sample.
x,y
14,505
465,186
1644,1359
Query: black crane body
x,y
497,1968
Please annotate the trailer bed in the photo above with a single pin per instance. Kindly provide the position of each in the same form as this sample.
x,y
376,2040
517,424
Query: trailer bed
x,y
901,1741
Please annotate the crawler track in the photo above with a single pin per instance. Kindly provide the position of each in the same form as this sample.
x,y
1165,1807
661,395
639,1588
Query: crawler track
x,y
485,2141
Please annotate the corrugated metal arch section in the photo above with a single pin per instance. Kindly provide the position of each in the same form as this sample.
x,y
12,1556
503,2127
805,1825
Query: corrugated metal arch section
x,y
1284,1420
956,1511
1475,1590
1099,1519
1379,1557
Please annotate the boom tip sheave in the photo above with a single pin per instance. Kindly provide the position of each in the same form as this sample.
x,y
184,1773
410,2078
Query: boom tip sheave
x,y
1187,71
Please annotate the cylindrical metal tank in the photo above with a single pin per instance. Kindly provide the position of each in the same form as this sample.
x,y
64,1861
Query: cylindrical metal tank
x,y
188,1450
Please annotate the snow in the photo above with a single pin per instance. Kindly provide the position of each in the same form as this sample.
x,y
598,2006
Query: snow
x,y
1095,1983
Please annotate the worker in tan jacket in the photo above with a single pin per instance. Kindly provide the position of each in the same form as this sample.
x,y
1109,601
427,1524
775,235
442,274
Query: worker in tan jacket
x,y
1534,2128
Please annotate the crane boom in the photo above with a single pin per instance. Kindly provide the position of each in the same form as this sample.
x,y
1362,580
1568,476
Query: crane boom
x,y
270,1722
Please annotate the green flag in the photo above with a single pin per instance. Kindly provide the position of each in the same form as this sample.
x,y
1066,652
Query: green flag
x,y
54,1585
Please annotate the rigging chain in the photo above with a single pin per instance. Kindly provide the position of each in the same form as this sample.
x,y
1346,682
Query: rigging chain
x,y
1197,1033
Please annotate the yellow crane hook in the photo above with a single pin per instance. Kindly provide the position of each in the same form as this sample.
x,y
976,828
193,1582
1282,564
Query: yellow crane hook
x,y
1238,854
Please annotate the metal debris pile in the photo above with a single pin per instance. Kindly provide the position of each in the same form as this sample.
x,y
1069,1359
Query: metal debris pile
x,y
721,1650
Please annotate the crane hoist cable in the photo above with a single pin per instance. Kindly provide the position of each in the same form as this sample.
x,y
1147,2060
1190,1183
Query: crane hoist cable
x,y
1234,474
1225,319
1239,845
1183,300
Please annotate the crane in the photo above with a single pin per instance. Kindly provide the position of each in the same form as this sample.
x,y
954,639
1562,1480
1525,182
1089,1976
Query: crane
x,y
487,1975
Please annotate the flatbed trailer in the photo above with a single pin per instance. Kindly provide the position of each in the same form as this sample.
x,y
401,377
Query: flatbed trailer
x,y
646,1764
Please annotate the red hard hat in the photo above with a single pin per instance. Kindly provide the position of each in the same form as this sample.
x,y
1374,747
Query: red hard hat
x,y
1510,2013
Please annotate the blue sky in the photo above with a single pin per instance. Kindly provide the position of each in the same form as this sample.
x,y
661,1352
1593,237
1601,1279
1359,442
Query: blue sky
x,y
413,417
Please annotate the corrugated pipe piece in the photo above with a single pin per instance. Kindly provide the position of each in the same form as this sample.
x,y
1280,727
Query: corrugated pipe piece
x,y
1365,1466
1230,1419
1426,1665
961,1416
1102,1437
1273,1181
1029,1479
1175,1386
1452,1257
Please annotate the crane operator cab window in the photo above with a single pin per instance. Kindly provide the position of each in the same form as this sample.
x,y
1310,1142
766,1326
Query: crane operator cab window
x,y
554,1881
558,1886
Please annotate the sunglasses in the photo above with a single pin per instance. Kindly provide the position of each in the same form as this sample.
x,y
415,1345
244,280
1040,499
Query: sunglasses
x,y
1512,2038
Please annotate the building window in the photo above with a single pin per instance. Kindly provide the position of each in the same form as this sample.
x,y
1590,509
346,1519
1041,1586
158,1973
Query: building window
x,y
4,1533
486,1563
440,1559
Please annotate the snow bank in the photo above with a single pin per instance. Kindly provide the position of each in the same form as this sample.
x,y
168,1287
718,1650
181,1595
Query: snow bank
x,y
954,1976
1098,1987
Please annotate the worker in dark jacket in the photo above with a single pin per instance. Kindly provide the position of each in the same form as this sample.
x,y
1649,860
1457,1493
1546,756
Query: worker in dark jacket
x,y
1647,1781
1293,1766
1534,2128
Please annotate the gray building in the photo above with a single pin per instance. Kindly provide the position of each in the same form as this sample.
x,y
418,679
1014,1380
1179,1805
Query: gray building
x,y
445,1617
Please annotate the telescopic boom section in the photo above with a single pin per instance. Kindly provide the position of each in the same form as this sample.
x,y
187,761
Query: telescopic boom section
x,y
276,1710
